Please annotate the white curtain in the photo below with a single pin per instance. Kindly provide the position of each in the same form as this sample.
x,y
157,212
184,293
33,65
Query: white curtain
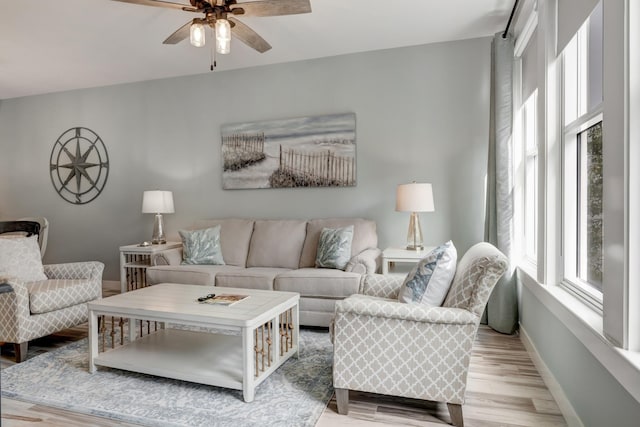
x,y
501,313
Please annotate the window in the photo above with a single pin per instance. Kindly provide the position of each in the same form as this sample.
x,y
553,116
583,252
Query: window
x,y
588,220
530,187
526,143
583,162
590,205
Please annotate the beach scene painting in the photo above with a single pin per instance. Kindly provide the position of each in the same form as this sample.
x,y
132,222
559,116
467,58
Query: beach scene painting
x,y
316,151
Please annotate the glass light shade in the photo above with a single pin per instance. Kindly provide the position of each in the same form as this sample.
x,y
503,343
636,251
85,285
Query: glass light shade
x,y
223,36
223,46
196,33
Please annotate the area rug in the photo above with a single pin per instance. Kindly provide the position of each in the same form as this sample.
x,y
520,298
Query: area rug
x,y
294,395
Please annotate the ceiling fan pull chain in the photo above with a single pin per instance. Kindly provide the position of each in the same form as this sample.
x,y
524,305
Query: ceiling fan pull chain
x,y
212,60
213,52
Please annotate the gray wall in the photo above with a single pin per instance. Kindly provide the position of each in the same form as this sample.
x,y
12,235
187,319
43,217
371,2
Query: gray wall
x,y
422,114
596,396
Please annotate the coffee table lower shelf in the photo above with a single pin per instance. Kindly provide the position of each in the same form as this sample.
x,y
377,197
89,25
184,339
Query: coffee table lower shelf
x,y
264,325
197,357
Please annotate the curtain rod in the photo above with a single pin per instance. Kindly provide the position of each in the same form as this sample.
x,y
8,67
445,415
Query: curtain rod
x,y
513,11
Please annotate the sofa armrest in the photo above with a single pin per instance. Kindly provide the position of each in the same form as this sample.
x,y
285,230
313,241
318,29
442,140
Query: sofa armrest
x,y
14,310
366,262
364,305
91,270
381,285
168,257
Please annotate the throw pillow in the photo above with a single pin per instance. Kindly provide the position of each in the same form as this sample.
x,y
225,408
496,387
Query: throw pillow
x,y
20,258
334,247
202,246
429,281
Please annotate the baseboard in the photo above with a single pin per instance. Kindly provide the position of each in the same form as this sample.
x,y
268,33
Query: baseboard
x,y
569,414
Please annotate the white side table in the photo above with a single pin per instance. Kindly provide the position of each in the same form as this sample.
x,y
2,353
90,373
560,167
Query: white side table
x,y
134,260
392,256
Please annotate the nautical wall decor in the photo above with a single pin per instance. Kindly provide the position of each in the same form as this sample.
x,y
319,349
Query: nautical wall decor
x,y
79,165
317,151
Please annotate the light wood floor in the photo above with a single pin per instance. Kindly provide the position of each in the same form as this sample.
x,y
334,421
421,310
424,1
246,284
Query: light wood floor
x,y
504,389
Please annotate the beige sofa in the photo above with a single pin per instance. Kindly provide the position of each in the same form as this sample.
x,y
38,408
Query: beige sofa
x,y
278,255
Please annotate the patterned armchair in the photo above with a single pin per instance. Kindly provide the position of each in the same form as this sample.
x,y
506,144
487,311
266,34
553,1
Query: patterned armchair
x,y
33,309
410,350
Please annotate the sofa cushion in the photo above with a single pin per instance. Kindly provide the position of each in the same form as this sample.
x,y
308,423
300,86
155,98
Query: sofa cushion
x,y
317,311
56,294
364,236
276,243
334,247
20,258
201,246
235,235
430,279
249,278
188,274
316,282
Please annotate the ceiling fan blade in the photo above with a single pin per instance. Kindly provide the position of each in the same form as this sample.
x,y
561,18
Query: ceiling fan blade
x,y
179,34
272,7
157,3
249,37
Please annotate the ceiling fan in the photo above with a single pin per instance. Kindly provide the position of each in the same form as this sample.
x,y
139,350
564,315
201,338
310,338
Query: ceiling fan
x,y
219,15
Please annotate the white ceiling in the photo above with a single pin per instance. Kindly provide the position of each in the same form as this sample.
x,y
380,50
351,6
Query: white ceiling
x,y
56,45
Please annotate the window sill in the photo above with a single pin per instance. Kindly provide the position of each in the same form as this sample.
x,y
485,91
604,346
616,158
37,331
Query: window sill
x,y
586,325
529,267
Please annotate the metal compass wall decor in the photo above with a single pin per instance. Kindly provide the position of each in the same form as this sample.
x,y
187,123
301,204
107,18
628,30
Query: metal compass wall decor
x,y
79,165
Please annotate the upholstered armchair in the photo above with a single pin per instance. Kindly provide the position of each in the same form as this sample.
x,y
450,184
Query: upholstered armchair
x,y
384,346
31,309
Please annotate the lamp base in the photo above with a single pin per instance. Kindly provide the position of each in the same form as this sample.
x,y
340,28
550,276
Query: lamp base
x,y
414,235
158,231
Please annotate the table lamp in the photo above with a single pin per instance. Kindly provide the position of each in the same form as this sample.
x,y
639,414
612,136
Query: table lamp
x,y
158,202
415,197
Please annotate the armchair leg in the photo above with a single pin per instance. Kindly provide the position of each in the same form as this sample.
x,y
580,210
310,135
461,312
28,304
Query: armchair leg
x,y
342,399
20,349
455,412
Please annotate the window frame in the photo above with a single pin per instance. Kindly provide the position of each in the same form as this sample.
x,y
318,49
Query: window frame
x,y
529,109
520,152
522,211
612,338
581,118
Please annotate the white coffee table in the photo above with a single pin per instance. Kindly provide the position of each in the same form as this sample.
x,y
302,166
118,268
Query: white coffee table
x,y
265,326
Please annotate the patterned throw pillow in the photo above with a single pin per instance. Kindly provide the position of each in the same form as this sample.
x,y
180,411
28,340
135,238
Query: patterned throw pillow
x,y
201,246
20,258
334,247
429,281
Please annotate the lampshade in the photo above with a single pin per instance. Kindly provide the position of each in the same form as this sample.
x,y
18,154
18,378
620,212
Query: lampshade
x,y
196,34
414,197
157,202
223,36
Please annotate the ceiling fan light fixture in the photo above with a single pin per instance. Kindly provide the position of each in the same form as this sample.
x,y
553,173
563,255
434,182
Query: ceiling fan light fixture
x,y
196,34
223,36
